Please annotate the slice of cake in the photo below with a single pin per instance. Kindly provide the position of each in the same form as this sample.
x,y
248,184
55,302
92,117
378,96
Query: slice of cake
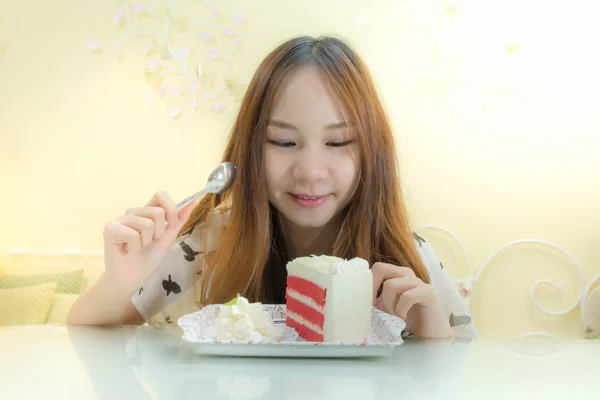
x,y
329,299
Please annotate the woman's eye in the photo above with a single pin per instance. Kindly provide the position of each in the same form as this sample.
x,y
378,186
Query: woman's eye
x,y
340,144
282,143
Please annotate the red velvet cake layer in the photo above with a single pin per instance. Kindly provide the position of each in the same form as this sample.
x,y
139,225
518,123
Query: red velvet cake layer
x,y
308,289
304,331
305,311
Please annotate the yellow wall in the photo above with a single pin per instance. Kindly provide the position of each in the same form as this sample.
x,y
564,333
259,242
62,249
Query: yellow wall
x,y
495,146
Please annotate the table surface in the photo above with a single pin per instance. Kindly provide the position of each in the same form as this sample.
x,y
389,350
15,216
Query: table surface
x,y
59,362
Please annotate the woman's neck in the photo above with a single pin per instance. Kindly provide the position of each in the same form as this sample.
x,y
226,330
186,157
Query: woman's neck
x,y
300,241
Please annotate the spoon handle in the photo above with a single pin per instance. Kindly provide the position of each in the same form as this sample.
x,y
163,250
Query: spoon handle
x,y
189,199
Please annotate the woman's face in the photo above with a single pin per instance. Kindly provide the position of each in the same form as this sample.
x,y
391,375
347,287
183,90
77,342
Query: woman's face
x,y
311,152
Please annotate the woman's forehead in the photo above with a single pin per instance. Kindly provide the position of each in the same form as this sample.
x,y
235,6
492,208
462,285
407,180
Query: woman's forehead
x,y
306,96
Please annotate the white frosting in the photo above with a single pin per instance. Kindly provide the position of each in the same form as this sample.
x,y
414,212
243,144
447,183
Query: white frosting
x,y
246,321
333,265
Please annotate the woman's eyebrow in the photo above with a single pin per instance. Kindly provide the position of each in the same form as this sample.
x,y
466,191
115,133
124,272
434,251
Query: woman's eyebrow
x,y
288,126
283,125
336,125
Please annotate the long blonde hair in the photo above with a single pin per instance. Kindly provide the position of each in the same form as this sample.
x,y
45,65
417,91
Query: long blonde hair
x,y
250,258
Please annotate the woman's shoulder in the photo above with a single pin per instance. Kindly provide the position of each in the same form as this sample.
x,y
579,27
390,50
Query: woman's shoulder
x,y
424,249
432,263
453,304
214,227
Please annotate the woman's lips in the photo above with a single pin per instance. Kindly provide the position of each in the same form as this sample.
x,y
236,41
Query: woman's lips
x,y
309,201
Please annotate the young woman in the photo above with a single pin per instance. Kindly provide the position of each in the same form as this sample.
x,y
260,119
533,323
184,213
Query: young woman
x,y
316,174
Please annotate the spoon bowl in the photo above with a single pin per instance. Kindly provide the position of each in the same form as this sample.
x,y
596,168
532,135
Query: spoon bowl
x,y
218,181
221,178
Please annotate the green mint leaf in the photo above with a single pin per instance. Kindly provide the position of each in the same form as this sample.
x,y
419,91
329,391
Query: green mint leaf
x,y
233,301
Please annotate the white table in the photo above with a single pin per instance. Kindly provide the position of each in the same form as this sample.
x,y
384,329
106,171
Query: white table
x,y
56,362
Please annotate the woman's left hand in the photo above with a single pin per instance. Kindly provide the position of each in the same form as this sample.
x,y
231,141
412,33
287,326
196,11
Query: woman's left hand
x,y
408,297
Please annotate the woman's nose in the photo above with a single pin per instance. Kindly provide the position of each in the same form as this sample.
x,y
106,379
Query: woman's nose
x,y
310,165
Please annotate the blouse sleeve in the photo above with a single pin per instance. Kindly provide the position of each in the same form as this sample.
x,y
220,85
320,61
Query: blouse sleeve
x,y
451,302
172,290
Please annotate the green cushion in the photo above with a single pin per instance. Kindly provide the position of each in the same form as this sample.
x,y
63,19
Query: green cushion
x,y
66,282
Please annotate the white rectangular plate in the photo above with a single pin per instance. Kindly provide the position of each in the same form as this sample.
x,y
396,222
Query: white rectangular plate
x,y
385,334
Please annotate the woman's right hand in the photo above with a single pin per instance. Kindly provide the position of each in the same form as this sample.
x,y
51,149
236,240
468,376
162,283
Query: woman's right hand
x,y
136,243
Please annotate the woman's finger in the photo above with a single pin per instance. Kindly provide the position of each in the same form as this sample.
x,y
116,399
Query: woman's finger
x,y
163,200
144,226
184,214
156,214
421,294
126,238
382,272
393,289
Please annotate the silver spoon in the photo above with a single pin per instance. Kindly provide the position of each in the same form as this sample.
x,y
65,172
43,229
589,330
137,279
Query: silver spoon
x,y
219,180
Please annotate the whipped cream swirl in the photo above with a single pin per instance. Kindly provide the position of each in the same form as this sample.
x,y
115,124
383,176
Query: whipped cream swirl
x,y
241,320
